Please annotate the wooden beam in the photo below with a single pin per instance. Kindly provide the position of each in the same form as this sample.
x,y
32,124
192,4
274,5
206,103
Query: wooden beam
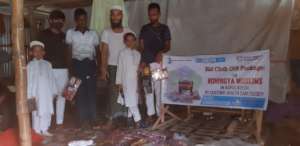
x,y
5,45
4,2
20,72
55,2
74,5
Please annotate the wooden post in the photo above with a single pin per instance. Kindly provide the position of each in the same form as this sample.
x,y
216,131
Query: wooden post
x,y
189,113
20,72
259,122
162,116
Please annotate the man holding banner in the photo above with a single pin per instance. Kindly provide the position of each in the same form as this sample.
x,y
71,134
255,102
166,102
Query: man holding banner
x,y
155,40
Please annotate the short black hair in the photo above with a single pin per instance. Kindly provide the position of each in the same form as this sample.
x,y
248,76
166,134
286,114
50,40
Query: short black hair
x,y
154,6
57,14
79,12
128,34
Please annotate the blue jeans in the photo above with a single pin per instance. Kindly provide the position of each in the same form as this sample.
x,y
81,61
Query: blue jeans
x,y
86,94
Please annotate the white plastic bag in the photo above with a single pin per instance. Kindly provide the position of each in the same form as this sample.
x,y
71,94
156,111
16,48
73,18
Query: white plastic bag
x,y
81,143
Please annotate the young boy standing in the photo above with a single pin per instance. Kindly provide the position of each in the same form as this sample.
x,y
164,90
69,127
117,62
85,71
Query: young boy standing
x,y
41,86
127,77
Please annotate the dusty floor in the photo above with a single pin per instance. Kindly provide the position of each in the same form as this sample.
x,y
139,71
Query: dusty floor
x,y
285,132
282,130
281,127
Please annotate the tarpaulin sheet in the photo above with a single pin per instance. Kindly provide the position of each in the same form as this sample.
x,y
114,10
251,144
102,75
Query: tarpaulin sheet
x,y
201,27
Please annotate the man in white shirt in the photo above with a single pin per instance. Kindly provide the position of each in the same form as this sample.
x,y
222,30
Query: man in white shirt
x,y
83,43
111,45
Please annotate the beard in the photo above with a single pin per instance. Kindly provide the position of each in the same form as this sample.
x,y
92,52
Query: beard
x,y
116,24
57,26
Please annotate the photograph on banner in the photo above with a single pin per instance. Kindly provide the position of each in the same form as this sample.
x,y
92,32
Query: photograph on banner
x,y
239,81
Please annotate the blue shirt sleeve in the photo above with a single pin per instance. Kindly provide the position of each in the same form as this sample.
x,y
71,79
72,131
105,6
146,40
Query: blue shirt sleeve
x,y
167,34
142,33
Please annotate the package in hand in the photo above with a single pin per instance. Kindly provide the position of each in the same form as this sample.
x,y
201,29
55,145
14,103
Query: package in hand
x,y
71,88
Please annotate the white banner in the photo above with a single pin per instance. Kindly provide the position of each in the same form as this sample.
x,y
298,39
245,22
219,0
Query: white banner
x,y
222,27
239,81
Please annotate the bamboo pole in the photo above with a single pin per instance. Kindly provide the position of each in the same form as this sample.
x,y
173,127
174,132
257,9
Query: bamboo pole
x,y
20,72
259,124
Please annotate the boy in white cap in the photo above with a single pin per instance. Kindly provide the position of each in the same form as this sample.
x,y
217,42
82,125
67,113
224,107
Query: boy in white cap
x,y
111,45
127,78
41,86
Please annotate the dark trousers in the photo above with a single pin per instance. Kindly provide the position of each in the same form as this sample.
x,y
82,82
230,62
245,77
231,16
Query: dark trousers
x,y
86,94
8,112
114,109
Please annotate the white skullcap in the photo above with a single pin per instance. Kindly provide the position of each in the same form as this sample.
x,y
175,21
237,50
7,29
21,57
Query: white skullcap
x,y
133,33
116,7
36,43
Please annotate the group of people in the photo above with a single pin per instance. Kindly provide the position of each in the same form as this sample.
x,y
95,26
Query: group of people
x,y
117,56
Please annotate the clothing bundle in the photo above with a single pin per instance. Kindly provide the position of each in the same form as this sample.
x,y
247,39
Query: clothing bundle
x,y
72,88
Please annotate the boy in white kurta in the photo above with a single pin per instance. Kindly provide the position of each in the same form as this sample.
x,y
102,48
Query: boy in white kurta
x,y
127,77
41,86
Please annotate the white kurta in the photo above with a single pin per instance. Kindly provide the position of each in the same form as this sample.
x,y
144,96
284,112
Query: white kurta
x,y
127,75
61,78
156,92
41,85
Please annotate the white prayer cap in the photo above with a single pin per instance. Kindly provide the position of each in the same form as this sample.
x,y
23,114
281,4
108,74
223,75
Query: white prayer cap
x,y
116,7
36,43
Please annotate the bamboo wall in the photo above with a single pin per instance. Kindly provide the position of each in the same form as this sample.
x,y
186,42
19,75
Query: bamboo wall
x,y
6,69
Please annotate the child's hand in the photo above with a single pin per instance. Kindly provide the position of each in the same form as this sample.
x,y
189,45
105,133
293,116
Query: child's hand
x,y
159,57
142,66
104,75
119,87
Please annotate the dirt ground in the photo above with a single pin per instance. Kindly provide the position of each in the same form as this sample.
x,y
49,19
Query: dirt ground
x,y
281,126
283,133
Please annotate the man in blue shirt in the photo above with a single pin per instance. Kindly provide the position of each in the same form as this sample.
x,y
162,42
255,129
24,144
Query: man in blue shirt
x,y
155,40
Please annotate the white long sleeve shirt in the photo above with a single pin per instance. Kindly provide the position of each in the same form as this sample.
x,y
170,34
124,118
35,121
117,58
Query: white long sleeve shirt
x,y
41,85
115,43
127,75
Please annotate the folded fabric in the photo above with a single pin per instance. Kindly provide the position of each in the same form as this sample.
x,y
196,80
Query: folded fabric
x,y
120,99
81,143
